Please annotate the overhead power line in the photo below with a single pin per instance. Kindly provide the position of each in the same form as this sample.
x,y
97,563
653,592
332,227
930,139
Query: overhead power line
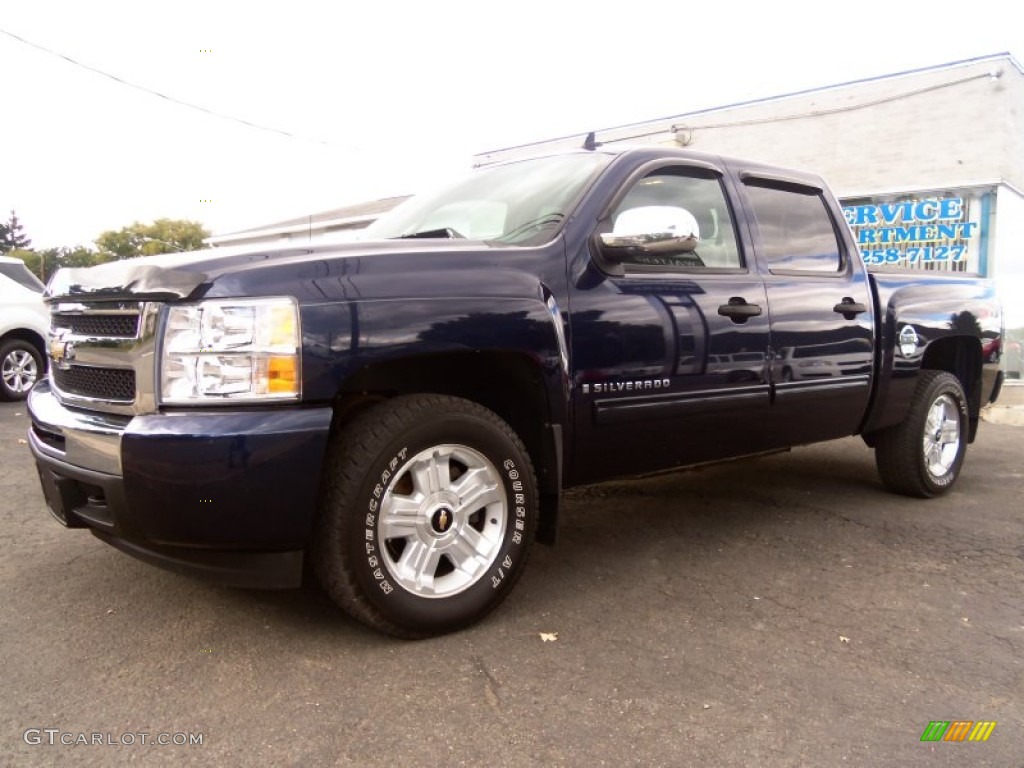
x,y
163,96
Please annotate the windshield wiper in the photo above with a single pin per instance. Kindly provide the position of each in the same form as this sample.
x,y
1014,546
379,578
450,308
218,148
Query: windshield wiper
x,y
539,223
442,232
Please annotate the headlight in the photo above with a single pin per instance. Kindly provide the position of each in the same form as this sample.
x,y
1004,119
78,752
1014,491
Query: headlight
x,y
230,350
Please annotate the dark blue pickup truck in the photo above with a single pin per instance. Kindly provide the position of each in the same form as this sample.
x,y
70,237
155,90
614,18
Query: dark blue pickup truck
x,y
405,411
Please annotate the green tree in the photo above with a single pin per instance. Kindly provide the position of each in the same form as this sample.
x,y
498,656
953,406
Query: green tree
x,y
79,256
11,235
43,263
31,259
162,236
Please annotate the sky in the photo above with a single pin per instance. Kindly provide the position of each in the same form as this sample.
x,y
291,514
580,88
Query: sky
x,y
355,101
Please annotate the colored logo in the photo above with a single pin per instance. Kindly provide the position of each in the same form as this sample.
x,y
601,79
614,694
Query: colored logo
x,y
62,352
958,730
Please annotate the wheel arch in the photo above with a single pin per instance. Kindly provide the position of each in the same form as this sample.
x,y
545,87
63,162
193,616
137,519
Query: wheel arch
x,y
511,384
27,335
962,357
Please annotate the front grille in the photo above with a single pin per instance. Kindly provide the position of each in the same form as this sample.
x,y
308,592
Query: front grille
x,y
113,326
97,383
101,354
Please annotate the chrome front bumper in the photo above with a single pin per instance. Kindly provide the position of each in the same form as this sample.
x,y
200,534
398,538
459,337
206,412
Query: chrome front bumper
x,y
91,441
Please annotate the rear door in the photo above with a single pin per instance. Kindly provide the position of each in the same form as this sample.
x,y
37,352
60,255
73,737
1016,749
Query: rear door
x,y
821,350
670,351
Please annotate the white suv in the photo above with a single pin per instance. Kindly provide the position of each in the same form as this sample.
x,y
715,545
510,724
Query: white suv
x,y
24,321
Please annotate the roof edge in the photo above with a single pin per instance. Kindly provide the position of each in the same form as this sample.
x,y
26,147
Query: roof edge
x,y
974,184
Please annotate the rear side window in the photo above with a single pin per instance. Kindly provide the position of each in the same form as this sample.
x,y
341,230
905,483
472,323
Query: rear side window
x,y
795,228
19,273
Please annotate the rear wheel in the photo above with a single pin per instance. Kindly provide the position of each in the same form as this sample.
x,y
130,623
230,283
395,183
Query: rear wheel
x,y
21,366
428,513
922,456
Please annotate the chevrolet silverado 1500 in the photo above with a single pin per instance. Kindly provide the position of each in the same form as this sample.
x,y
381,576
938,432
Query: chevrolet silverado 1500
x,y
404,412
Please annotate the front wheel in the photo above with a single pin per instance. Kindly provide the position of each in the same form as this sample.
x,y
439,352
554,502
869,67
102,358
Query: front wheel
x,y
922,455
428,513
21,365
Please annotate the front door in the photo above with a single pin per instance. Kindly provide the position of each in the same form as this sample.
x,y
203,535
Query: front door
x,y
669,350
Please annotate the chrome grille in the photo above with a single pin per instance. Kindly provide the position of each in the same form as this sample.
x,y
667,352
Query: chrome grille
x,y
112,325
101,355
96,383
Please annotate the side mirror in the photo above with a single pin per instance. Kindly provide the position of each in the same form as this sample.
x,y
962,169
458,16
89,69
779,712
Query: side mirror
x,y
653,229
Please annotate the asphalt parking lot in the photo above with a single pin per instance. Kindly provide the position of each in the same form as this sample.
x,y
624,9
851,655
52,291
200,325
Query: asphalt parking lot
x,y
784,611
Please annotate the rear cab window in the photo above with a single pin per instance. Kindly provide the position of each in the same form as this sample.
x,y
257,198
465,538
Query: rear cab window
x,y
796,232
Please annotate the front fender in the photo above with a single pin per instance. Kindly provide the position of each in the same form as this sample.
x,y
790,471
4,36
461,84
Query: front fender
x,y
342,339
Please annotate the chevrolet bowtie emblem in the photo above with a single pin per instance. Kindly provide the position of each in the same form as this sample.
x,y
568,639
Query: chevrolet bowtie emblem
x,y
443,522
62,352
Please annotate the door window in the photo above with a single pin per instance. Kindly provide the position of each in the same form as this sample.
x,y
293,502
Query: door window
x,y
795,228
687,202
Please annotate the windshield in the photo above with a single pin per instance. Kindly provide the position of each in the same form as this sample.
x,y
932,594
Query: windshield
x,y
520,203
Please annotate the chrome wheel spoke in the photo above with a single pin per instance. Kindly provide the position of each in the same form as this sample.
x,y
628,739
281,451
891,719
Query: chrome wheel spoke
x,y
419,563
475,489
469,550
431,474
399,516
949,432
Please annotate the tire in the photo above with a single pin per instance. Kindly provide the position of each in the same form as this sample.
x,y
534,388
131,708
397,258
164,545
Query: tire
x,y
428,512
21,366
922,456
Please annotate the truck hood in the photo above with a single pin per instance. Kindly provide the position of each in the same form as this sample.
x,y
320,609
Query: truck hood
x,y
175,276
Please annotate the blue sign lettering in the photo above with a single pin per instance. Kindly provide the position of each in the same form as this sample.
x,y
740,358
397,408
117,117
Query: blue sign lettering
x,y
909,231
